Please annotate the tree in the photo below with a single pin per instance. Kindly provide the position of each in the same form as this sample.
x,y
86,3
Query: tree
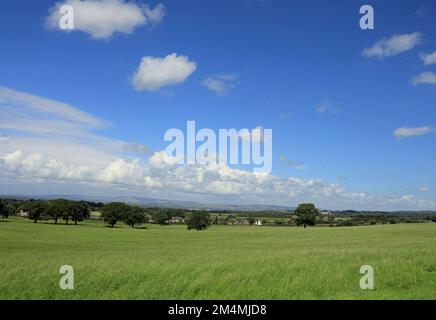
x,y
78,211
216,220
56,209
136,215
198,220
66,209
306,214
251,220
160,216
4,210
12,209
114,212
35,209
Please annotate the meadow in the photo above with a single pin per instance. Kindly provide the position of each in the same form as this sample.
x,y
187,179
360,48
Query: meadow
x,y
223,262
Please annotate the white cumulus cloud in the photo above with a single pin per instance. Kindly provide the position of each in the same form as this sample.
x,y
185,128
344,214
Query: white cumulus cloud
x,y
212,180
102,18
424,78
74,158
154,72
428,58
392,46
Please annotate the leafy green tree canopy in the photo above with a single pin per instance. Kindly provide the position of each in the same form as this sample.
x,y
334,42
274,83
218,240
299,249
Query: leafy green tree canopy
x,y
4,210
78,211
114,212
56,209
198,220
136,215
35,209
160,216
306,214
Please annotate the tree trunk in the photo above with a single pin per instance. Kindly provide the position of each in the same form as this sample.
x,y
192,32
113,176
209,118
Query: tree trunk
x,y
305,225
75,222
56,220
34,221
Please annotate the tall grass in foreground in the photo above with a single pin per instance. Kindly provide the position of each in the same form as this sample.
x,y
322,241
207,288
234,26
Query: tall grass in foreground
x,y
169,262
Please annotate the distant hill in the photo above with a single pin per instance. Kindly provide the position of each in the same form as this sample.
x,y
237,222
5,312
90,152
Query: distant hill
x,y
163,203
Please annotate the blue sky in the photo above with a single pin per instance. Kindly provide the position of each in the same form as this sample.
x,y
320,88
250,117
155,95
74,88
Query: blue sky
x,y
296,67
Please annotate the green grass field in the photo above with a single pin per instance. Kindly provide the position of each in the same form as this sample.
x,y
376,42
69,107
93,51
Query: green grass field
x,y
169,262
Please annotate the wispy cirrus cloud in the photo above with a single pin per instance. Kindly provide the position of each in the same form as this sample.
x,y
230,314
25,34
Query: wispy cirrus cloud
x,y
102,18
327,107
34,113
423,189
285,115
406,132
221,83
420,12
137,148
41,125
292,163
388,47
